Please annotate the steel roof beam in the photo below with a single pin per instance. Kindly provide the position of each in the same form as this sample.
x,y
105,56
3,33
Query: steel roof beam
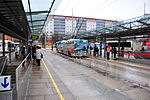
x,y
36,12
13,18
36,28
123,27
143,23
48,14
36,20
37,25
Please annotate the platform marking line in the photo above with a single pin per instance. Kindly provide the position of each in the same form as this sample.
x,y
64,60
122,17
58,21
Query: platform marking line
x,y
56,87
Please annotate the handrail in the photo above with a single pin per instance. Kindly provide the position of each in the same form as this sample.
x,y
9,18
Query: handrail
x,y
23,74
23,61
19,68
3,65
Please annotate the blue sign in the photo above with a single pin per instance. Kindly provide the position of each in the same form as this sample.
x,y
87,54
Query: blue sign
x,y
5,82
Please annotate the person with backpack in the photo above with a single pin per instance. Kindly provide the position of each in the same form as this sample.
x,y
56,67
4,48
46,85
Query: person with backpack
x,y
39,55
91,50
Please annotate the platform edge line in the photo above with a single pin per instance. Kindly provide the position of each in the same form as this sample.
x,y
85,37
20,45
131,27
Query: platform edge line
x,y
56,87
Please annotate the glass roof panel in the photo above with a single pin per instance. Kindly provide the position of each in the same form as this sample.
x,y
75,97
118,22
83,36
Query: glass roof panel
x,y
40,9
121,26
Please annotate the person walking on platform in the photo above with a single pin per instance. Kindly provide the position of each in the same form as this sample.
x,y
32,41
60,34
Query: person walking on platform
x,y
34,54
16,52
29,52
52,47
115,51
112,51
91,50
95,50
38,55
122,50
23,53
108,52
97,54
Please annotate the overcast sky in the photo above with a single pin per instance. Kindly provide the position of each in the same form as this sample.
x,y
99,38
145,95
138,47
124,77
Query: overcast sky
x,y
102,9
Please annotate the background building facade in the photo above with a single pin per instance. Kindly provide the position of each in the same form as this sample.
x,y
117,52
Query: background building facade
x,y
60,26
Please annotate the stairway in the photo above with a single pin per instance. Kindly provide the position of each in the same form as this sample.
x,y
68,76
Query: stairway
x,y
11,70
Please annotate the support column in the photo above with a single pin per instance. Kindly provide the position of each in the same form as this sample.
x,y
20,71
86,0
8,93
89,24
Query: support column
x,y
9,49
3,44
119,46
104,47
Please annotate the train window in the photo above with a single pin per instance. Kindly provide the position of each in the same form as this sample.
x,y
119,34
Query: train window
x,y
122,44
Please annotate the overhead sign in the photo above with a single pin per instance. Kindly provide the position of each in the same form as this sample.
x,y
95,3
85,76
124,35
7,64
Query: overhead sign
x,y
30,37
5,83
34,37
99,39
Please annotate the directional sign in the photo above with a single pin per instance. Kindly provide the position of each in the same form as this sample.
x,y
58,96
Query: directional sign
x,y
5,83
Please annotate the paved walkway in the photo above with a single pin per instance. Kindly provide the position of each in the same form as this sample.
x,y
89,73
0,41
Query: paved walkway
x,y
76,82
43,88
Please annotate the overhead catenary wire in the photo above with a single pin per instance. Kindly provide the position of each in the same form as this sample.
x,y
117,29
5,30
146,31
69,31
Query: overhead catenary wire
x,y
75,36
47,15
29,5
110,3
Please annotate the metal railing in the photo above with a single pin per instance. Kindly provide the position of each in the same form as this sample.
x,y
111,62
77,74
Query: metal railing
x,y
3,64
23,75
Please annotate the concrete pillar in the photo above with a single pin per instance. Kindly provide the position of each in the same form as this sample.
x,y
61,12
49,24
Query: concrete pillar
x,y
3,44
119,46
9,49
104,47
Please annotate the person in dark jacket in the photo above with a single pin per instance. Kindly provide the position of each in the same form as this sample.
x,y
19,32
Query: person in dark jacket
x,y
34,54
91,50
95,50
114,51
23,53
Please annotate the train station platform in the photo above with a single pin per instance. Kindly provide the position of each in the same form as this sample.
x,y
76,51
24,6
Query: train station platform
x,y
46,85
64,78
59,78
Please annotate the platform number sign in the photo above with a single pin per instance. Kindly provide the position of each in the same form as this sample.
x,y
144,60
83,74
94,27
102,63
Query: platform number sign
x,y
5,83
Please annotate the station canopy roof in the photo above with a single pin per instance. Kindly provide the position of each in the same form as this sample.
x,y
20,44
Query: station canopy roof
x,y
132,27
21,18
38,11
13,19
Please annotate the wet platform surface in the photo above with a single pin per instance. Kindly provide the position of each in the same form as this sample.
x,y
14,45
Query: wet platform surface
x,y
77,82
42,88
